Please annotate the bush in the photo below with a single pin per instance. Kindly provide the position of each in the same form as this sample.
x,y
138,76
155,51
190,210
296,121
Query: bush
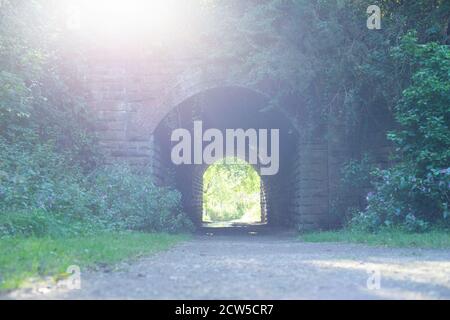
x,y
40,178
127,199
39,223
402,197
424,109
40,185
356,181
415,193
34,223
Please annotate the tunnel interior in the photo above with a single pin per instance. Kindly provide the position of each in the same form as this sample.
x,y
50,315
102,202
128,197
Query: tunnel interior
x,y
228,108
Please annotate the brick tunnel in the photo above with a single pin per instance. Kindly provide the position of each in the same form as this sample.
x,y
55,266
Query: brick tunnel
x,y
231,108
140,100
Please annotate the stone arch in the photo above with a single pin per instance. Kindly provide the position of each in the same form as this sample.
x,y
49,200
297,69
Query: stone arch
x,y
131,105
192,187
191,86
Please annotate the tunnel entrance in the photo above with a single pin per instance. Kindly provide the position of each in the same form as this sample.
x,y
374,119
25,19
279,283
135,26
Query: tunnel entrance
x,y
232,195
222,109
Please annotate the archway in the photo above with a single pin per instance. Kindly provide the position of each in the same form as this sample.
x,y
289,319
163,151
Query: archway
x,y
234,108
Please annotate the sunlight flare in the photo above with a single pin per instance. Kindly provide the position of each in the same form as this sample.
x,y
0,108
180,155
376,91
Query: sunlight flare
x,y
156,19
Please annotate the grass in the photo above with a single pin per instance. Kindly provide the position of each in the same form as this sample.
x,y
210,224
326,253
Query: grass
x,y
387,238
23,258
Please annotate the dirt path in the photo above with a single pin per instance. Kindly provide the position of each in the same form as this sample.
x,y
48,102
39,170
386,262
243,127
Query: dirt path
x,y
269,267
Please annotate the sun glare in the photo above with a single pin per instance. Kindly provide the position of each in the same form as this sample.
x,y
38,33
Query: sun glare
x,y
159,19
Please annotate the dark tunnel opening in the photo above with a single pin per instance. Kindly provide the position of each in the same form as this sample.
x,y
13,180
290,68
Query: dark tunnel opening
x,y
228,108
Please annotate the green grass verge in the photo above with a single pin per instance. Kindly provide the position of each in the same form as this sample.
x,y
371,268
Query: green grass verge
x,y
387,238
24,258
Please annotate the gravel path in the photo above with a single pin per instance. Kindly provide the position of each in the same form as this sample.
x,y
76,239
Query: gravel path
x,y
268,267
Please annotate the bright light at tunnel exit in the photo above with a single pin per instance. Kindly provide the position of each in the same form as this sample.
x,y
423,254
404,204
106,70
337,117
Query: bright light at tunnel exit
x,y
232,194
122,18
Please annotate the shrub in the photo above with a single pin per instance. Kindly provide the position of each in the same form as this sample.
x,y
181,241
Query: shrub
x,y
402,197
424,109
40,223
33,223
356,181
39,185
416,192
128,199
40,178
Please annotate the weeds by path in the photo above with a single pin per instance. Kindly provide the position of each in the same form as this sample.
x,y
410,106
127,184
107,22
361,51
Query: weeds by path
x,y
389,238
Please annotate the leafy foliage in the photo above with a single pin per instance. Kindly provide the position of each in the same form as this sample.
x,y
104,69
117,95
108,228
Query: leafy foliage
x,y
416,191
423,112
41,96
126,199
43,197
356,181
231,192
52,180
